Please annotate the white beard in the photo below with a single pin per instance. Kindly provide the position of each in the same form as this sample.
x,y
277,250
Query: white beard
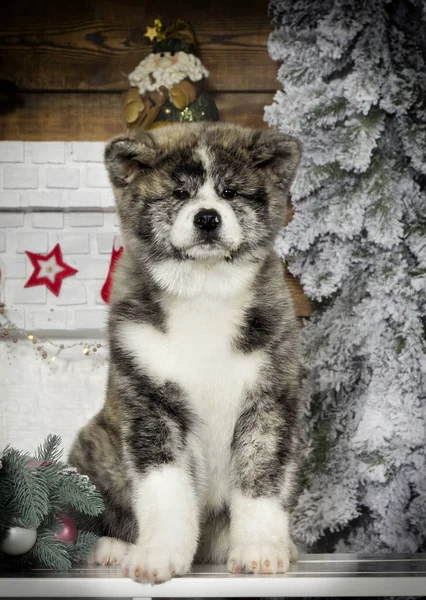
x,y
153,73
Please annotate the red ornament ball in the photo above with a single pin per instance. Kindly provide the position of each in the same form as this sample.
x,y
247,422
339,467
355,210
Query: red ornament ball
x,y
39,463
69,531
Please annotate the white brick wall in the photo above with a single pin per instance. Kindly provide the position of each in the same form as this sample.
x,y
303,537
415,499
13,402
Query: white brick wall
x,y
12,152
84,199
88,151
47,152
20,177
38,242
62,177
9,219
9,199
97,176
47,220
41,199
54,192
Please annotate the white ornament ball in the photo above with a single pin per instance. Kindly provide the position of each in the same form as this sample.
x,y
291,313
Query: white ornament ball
x,y
17,541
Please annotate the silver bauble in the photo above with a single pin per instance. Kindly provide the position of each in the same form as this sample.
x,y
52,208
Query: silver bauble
x,y
17,540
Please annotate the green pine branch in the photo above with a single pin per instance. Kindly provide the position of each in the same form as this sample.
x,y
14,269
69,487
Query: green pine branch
x,y
78,492
50,449
51,552
25,489
82,547
34,495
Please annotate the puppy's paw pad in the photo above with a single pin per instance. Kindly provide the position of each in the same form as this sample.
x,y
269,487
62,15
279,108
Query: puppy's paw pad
x,y
146,564
267,558
108,551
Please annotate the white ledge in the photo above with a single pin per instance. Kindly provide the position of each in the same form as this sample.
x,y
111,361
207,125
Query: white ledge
x,y
320,575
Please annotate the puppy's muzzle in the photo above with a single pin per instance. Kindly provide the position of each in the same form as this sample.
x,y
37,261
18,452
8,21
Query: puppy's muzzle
x,y
207,220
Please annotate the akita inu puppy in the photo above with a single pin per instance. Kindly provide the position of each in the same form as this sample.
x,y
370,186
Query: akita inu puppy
x,y
196,448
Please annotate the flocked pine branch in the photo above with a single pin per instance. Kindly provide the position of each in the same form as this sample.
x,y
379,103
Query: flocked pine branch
x,y
354,91
78,492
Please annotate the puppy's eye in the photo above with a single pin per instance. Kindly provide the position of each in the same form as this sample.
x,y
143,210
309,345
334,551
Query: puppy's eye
x,y
181,194
228,193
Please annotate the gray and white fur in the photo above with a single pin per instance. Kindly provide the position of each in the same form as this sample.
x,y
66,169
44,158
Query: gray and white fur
x,y
196,448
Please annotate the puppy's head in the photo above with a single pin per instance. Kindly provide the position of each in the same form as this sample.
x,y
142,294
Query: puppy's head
x,y
207,193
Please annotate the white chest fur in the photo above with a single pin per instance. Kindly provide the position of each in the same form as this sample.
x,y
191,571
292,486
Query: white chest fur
x,y
197,354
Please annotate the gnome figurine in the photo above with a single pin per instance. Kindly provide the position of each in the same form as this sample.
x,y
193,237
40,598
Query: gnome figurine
x,y
168,85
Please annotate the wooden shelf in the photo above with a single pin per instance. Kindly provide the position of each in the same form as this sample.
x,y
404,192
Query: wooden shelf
x,y
93,117
318,575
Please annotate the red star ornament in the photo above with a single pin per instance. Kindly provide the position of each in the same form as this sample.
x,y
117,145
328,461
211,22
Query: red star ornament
x,y
49,270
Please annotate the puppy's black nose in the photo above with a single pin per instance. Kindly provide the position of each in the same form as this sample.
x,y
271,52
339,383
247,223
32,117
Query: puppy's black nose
x,y
207,219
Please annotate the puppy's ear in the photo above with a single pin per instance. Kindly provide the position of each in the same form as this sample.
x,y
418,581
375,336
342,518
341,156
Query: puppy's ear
x,y
277,152
126,157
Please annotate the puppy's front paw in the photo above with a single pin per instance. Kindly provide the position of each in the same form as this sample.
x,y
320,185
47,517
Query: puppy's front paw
x,y
147,564
266,558
108,551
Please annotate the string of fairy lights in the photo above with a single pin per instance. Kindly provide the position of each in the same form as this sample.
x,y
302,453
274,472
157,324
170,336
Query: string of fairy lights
x,y
46,348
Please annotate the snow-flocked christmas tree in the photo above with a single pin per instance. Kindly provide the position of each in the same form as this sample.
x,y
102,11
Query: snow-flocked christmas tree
x,y
354,79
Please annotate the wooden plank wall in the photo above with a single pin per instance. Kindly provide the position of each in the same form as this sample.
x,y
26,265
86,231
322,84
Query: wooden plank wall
x,y
69,61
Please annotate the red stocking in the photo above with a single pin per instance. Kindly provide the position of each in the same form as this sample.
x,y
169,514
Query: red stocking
x,y
117,251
